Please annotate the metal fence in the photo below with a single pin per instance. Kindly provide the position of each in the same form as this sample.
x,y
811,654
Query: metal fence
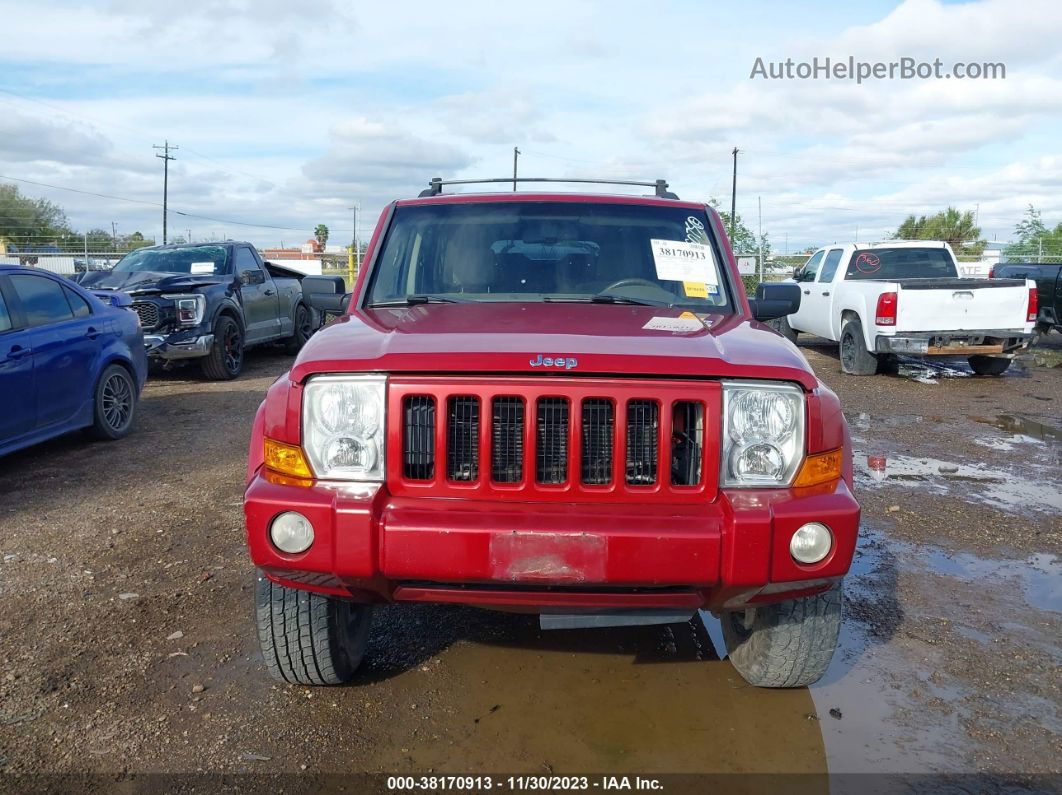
x,y
64,264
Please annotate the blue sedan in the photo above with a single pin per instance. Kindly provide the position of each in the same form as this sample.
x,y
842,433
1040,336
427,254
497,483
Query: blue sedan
x,y
68,360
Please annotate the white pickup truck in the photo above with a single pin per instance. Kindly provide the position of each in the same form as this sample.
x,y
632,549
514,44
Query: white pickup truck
x,y
882,299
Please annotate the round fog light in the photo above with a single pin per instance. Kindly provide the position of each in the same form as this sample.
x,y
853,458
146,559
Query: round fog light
x,y
291,532
811,543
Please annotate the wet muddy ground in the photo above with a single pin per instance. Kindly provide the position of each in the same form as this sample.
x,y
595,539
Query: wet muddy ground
x,y
127,643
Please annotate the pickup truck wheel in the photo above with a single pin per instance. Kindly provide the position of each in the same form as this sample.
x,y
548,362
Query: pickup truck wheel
x,y
855,358
989,365
307,638
789,644
303,330
781,325
225,359
113,405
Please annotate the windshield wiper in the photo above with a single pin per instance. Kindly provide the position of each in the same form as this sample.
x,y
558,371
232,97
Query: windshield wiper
x,y
612,298
411,300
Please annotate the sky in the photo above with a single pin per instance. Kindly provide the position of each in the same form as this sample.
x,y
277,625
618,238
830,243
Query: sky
x,y
288,114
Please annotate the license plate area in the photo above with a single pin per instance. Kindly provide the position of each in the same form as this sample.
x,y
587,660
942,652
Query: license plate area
x,y
548,557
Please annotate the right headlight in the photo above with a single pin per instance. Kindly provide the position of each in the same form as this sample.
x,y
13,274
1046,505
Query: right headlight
x,y
762,434
343,426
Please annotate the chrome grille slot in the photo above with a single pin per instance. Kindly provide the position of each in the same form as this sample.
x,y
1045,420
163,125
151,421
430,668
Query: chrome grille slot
x,y
507,440
687,442
418,437
598,430
462,438
643,419
551,450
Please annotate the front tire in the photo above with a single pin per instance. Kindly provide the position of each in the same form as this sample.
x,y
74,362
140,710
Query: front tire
x,y
788,644
989,365
225,360
308,638
113,405
855,358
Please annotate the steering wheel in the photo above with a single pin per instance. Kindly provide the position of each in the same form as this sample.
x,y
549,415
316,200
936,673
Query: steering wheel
x,y
631,282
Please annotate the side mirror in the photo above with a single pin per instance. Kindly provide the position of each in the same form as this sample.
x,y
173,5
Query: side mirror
x,y
775,300
252,277
326,293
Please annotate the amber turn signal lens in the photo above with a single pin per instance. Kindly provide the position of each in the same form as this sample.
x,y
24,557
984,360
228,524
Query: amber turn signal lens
x,y
287,459
819,468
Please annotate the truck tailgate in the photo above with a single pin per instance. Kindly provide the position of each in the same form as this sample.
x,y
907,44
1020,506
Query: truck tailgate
x,y
961,304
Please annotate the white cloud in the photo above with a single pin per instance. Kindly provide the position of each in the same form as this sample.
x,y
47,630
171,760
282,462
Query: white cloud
x,y
301,109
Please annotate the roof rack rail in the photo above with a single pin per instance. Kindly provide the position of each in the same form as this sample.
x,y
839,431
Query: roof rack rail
x,y
436,185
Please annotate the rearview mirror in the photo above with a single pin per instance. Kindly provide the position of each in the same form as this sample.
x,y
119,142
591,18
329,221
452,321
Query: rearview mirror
x,y
326,293
775,300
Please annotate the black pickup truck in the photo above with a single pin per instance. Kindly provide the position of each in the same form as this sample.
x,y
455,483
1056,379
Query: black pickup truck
x,y
1048,278
209,301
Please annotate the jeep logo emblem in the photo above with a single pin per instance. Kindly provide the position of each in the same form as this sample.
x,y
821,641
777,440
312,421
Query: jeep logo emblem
x,y
564,362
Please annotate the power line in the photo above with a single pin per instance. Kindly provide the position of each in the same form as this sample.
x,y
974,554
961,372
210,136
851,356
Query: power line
x,y
138,133
158,204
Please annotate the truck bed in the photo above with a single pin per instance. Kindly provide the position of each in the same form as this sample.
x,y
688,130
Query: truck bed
x,y
950,283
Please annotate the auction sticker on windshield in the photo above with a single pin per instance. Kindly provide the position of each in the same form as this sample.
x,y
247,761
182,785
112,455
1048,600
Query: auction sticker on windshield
x,y
202,267
679,261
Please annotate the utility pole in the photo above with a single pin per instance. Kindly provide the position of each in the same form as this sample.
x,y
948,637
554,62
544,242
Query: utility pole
x,y
354,260
114,235
516,154
759,231
733,197
166,158
189,238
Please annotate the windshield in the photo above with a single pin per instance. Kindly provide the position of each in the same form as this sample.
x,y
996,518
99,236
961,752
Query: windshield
x,y
194,260
550,251
901,263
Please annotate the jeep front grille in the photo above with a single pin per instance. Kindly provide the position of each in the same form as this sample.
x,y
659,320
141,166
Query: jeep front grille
x,y
462,438
553,439
148,313
418,437
507,440
598,425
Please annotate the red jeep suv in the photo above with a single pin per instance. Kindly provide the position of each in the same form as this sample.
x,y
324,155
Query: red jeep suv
x,y
558,403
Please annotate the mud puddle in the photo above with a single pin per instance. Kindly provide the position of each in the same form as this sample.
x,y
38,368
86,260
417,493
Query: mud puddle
x,y
997,487
886,704
927,371
640,699
1022,429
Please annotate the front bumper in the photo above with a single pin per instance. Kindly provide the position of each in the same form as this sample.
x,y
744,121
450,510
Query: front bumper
x,y
953,343
372,546
177,346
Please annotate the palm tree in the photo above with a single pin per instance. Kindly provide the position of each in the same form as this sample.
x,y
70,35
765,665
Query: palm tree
x,y
321,233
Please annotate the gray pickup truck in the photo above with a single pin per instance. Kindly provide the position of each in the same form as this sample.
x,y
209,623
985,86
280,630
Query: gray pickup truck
x,y
210,302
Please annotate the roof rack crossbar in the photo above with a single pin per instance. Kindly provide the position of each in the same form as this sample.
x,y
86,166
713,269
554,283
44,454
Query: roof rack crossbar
x,y
660,185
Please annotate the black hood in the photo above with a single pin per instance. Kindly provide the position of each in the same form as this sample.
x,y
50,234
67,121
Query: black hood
x,y
136,281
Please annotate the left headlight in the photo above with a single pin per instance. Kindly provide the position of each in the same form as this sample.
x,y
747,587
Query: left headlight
x,y
190,308
762,434
343,426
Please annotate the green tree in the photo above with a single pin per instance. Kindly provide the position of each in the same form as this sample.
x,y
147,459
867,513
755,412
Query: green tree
x,y
1035,240
321,233
952,225
134,241
99,240
28,223
742,239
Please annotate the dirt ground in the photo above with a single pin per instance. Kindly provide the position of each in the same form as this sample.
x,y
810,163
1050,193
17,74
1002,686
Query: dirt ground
x,y
127,641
